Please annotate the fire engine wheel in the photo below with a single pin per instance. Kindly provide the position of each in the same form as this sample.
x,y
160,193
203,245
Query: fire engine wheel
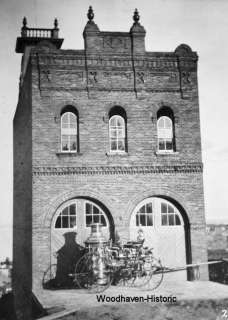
x,y
147,273
141,274
122,277
157,274
136,273
92,273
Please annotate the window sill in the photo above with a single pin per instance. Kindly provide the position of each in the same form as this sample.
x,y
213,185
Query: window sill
x,y
166,153
117,154
68,154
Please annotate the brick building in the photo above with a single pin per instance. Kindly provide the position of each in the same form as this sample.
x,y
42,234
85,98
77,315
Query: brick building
x,y
108,134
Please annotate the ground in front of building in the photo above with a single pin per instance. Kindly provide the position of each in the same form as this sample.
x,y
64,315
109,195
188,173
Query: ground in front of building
x,y
194,300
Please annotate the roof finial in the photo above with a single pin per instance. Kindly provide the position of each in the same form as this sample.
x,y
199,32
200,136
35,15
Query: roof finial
x,y
24,22
136,16
56,23
90,13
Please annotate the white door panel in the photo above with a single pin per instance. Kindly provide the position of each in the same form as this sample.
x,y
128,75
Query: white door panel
x,y
167,241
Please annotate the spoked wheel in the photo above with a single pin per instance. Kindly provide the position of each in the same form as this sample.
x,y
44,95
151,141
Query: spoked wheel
x,y
123,277
157,274
141,275
92,273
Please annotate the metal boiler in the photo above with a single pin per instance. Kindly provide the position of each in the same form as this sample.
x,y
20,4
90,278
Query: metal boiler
x,y
96,243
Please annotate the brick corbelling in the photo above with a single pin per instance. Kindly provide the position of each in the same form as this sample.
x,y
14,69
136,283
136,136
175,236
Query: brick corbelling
x,y
115,170
167,61
103,88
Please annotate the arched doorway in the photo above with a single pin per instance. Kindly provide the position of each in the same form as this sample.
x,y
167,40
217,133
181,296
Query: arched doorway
x,y
164,231
76,215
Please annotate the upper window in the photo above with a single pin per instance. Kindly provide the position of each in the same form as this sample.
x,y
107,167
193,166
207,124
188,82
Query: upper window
x,y
117,130
165,134
69,132
117,133
165,130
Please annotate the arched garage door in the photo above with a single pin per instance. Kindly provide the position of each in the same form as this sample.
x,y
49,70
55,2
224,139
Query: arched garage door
x,y
76,215
163,228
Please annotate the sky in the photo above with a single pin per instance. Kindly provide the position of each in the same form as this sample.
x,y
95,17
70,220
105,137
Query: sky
x,y
202,24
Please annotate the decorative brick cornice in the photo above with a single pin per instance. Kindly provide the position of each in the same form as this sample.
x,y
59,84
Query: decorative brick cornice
x,y
61,88
116,170
154,63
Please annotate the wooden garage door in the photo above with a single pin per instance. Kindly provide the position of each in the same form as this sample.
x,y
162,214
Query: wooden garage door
x,y
76,215
163,229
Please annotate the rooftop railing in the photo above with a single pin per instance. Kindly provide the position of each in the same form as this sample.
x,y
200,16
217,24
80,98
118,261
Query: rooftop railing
x,y
27,32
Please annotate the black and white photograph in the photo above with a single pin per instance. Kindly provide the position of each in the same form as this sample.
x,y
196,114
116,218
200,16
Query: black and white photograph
x,y
114,160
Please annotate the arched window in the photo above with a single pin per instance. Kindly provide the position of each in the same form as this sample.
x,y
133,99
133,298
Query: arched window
x,y
165,134
94,215
169,215
144,216
165,129
79,212
69,132
156,213
67,218
117,134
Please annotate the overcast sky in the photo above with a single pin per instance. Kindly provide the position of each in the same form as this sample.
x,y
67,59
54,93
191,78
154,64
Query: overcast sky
x,y
202,24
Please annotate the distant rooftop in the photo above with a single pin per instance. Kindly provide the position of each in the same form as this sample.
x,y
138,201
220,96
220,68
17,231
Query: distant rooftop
x,y
217,221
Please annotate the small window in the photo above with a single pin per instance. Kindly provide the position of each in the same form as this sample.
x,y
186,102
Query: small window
x,y
67,218
168,215
144,216
69,136
94,215
165,134
117,133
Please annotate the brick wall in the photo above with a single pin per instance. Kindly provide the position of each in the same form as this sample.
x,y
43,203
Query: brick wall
x,y
22,206
93,129
120,194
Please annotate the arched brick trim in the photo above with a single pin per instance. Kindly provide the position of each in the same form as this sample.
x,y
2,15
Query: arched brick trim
x,y
81,193
155,192
165,110
116,103
179,202
109,106
118,110
60,106
69,108
163,104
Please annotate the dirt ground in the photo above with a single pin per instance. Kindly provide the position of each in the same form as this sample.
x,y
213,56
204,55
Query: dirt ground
x,y
185,310
202,300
